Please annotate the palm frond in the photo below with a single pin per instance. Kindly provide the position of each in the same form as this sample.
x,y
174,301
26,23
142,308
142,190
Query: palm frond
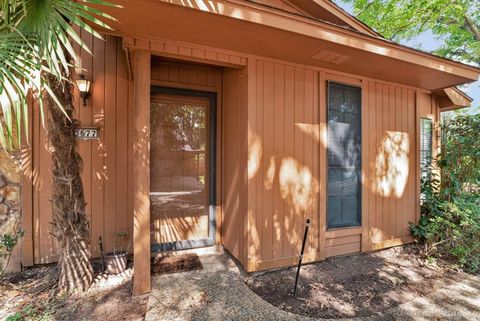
x,y
36,39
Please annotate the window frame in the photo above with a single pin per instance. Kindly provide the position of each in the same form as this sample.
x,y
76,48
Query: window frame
x,y
424,172
360,165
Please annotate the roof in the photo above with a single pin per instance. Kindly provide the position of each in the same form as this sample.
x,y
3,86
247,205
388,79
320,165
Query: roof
x,y
325,9
352,22
453,98
314,41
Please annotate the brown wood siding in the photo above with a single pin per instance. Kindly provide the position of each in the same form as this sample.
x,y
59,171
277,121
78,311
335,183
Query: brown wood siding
x,y
274,159
284,152
187,76
288,122
389,145
105,176
107,162
44,244
235,139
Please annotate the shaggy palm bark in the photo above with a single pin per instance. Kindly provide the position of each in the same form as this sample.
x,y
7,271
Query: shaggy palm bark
x,y
70,222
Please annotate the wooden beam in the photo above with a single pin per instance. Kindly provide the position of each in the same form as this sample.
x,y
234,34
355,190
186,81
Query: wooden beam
x,y
141,172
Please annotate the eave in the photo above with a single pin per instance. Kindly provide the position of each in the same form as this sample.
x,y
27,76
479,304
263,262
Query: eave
x,y
256,29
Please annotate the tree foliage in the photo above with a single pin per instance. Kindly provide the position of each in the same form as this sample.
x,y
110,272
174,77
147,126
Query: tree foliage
x,y
35,38
460,156
450,220
456,23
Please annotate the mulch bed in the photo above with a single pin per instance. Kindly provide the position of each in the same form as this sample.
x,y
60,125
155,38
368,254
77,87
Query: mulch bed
x,y
354,286
33,295
177,263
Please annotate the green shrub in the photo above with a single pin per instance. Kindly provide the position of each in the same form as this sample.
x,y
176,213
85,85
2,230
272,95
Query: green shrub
x,y
453,231
449,224
7,244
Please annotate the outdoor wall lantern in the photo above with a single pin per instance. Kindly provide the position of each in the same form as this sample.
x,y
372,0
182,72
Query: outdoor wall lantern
x,y
83,85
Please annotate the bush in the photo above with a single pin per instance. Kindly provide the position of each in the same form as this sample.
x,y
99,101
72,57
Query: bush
x,y
7,244
450,213
451,229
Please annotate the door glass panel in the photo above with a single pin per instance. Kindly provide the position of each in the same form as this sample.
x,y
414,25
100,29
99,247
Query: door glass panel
x,y
344,156
179,168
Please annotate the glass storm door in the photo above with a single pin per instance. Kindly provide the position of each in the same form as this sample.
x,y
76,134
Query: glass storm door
x,y
180,171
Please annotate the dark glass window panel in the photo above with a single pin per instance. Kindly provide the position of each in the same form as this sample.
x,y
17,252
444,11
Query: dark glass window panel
x,y
426,136
344,156
334,206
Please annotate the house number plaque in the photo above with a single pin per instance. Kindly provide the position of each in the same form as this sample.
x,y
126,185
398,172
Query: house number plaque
x,y
86,133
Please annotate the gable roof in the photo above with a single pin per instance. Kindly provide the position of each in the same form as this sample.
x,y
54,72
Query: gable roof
x,y
324,10
452,98
328,11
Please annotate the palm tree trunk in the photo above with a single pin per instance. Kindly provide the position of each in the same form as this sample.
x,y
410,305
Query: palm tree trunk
x,y
70,222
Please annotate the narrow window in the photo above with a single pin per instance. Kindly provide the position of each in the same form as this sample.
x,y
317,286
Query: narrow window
x,y
344,156
426,135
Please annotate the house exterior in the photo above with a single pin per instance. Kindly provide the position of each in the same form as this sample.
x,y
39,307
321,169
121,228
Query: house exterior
x,y
231,122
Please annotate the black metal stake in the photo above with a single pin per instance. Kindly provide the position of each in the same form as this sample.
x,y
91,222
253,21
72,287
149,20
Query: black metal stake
x,y
100,243
300,258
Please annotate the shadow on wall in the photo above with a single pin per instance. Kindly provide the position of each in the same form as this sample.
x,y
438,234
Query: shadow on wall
x,y
298,188
294,183
391,165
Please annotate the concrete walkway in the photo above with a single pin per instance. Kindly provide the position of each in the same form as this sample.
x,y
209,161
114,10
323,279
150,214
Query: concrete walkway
x,y
218,293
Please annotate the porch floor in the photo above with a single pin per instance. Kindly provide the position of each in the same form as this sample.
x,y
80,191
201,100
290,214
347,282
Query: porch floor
x,y
218,292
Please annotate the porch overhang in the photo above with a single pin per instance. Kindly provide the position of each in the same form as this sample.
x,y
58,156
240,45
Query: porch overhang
x,y
452,99
260,30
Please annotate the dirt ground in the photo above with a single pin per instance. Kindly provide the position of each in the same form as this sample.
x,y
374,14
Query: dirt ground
x,y
32,295
355,286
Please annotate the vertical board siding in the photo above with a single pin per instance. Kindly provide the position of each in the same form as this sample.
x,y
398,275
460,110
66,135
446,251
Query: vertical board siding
x,y
110,204
189,76
272,154
285,127
97,147
287,122
44,245
235,140
389,149
104,160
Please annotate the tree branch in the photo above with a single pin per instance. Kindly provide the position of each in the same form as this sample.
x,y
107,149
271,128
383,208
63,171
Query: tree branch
x,y
363,10
472,27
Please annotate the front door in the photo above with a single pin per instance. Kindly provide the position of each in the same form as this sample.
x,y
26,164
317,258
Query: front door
x,y
181,169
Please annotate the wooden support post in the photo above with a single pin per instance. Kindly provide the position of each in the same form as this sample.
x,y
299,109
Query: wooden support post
x,y
141,172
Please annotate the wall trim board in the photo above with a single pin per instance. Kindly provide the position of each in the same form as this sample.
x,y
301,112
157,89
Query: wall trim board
x,y
392,242
341,232
261,265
